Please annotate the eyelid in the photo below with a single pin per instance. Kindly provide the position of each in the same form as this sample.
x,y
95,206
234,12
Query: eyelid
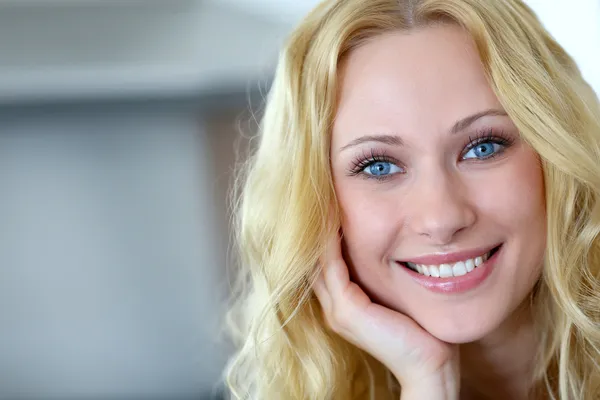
x,y
373,155
487,135
366,159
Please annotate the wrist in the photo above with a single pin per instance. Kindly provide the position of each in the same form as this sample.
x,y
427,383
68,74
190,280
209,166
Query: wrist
x,y
428,392
442,386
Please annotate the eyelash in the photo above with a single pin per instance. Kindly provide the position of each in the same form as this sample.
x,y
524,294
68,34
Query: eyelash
x,y
363,161
483,136
486,136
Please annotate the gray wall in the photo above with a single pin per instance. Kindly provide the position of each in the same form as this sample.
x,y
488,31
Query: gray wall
x,y
112,251
105,49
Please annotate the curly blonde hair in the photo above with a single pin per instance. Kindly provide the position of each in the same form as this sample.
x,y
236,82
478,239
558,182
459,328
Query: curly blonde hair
x,y
284,350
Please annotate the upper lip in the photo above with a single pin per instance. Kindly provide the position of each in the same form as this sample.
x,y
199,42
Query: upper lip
x,y
449,258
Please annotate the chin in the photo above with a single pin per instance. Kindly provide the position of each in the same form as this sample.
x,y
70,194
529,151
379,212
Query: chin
x,y
459,337
459,333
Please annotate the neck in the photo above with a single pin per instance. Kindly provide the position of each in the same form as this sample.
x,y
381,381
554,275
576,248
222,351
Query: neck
x,y
500,365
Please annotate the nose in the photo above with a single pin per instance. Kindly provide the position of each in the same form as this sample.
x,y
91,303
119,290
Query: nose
x,y
440,207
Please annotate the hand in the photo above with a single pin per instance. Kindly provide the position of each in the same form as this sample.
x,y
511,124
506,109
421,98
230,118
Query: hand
x,y
424,366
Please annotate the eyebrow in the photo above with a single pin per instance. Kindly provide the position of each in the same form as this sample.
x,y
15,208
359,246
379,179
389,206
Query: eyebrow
x,y
394,140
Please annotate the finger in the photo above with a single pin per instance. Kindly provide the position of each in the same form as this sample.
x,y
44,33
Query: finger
x,y
335,270
322,294
346,301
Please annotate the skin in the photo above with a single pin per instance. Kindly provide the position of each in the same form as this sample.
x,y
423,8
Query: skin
x,y
440,197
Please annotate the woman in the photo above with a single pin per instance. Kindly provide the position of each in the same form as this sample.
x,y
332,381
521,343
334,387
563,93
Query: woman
x,y
421,216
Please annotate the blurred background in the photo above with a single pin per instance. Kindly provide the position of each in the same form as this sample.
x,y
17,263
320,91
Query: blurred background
x,y
118,123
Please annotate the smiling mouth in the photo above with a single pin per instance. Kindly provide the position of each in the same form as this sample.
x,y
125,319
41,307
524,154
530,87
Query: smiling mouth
x,y
459,268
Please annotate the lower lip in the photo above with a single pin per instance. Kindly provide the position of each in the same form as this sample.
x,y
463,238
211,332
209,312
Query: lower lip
x,y
456,284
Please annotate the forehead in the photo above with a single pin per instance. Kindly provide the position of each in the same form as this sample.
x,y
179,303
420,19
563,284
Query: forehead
x,y
408,83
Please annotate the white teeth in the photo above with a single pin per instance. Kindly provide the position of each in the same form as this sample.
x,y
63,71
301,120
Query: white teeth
x,y
445,271
470,265
448,270
459,269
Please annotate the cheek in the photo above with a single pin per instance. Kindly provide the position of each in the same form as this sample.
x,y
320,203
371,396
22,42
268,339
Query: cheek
x,y
367,223
513,206
514,196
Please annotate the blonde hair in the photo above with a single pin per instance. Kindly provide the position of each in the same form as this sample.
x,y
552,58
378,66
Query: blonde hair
x,y
284,349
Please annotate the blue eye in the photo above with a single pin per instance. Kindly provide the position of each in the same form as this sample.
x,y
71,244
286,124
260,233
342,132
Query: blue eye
x,y
382,168
483,150
375,164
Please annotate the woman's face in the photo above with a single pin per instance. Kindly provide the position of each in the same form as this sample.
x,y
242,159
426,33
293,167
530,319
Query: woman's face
x,y
429,170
